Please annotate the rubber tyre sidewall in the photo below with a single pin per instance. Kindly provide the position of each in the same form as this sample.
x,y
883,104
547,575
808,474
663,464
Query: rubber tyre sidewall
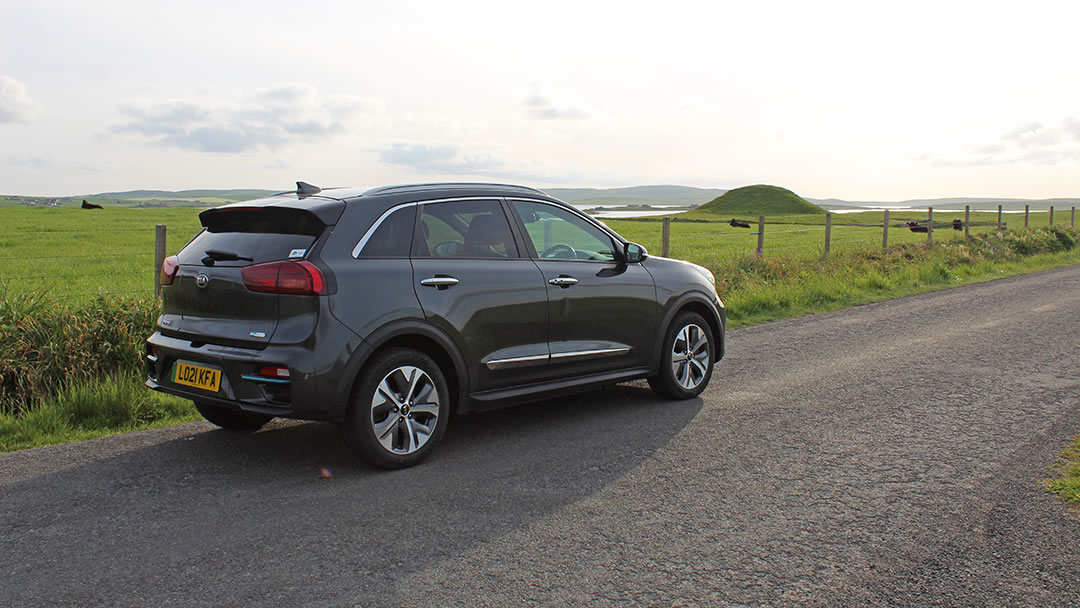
x,y
232,420
664,383
357,432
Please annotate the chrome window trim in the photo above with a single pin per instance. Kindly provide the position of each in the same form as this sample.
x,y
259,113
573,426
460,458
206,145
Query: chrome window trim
x,y
378,222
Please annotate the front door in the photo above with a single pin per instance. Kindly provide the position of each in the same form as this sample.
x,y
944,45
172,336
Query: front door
x,y
602,312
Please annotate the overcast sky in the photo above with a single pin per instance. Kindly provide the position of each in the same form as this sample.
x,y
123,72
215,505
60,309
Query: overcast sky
x,y
856,100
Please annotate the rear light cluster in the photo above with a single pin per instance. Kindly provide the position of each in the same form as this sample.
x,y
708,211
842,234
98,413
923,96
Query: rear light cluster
x,y
168,270
297,277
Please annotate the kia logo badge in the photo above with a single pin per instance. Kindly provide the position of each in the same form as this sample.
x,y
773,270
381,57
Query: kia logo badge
x,y
202,280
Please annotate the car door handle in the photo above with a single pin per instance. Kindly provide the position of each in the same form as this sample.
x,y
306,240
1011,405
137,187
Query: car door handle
x,y
439,282
563,281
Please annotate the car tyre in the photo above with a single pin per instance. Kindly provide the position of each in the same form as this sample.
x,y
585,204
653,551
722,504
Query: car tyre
x,y
399,410
232,420
686,359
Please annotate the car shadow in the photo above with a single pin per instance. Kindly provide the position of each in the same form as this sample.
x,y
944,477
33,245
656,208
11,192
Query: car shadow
x,y
233,506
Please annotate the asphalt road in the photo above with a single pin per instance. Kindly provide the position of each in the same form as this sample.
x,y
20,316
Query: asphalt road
x,y
888,455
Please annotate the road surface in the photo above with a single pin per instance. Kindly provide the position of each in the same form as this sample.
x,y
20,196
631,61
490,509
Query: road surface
x,y
887,455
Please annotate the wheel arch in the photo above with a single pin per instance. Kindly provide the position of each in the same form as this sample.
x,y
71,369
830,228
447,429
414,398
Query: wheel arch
x,y
418,336
699,304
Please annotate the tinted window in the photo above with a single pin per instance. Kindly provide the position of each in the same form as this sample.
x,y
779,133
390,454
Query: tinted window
x,y
393,237
261,233
465,229
560,234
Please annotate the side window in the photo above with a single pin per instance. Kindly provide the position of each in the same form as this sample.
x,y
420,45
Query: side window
x,y
560,234
465,229
393,237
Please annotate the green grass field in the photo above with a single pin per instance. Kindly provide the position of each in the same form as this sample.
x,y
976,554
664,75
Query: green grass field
x,y
75,253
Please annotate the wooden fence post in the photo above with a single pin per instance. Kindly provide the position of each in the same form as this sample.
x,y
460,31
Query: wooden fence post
x,y
159,257
1027,213
930,227
885,231
999,217
967,221
1051,215
665,238
828,231
760,236
1072,220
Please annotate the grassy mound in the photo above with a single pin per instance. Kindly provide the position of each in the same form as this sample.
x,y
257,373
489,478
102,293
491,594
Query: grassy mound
x,y
752,201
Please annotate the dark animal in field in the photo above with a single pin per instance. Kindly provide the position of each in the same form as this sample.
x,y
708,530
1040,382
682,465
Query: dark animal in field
x,y
957,225
915,227
86,205
738,224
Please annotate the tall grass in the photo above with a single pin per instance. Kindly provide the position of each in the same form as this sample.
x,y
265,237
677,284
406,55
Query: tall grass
x,y
46,345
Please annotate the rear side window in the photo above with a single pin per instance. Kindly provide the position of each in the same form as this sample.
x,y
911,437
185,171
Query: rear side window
x,y
393,237
465,229
263,234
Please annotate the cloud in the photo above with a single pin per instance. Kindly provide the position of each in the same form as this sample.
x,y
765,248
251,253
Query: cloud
x,y
1028,143
450,160
15,104
38,163
541,105
267,118
439,159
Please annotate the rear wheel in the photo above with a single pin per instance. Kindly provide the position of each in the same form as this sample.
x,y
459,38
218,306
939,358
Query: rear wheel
x,y
686,363
399,410
232,419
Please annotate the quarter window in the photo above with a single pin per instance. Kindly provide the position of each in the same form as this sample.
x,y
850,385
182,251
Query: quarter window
x,y
393,236
562,235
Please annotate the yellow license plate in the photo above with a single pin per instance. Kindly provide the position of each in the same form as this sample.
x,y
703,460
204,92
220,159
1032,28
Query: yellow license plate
x,y
206,378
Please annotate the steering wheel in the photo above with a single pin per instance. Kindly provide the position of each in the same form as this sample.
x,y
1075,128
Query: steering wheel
x,y
558,247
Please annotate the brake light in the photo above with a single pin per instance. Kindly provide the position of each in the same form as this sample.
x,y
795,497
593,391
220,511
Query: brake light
x,y
168,270
299,277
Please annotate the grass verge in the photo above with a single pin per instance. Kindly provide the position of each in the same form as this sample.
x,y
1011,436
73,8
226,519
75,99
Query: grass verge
x,y
93,408
1066,482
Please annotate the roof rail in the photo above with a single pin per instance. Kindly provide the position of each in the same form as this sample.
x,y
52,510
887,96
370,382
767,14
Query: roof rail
x,y
441,185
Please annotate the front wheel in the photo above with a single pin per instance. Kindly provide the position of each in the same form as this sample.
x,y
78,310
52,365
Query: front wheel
x,y
230,419
399,410
686,362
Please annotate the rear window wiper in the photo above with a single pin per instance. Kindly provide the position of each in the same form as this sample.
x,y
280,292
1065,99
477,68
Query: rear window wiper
x,y
217,255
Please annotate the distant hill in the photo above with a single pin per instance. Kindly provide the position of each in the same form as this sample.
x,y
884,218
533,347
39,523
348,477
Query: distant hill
x,y
752,201
236,194
636,195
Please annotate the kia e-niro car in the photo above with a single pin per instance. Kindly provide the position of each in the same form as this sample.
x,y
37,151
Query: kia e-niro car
x,y
387,311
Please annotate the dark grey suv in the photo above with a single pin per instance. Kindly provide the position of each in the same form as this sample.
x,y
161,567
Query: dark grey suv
x,y
388,310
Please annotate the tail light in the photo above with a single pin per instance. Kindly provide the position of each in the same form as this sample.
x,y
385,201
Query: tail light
x,y
274,371
168,270
299,277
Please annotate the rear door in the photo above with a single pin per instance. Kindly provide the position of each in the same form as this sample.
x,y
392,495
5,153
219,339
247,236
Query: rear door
x,y
208,301
473,282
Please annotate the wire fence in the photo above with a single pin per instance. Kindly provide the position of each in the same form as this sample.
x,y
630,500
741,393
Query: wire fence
x,y
78,264
816,235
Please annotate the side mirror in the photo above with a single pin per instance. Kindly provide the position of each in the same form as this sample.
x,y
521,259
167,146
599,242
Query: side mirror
x,y
634,253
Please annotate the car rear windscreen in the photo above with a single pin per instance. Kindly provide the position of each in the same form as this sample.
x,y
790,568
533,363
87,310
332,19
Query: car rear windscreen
x,y
263,234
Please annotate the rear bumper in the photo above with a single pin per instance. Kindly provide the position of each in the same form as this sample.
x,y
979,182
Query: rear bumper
x,y
241,387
